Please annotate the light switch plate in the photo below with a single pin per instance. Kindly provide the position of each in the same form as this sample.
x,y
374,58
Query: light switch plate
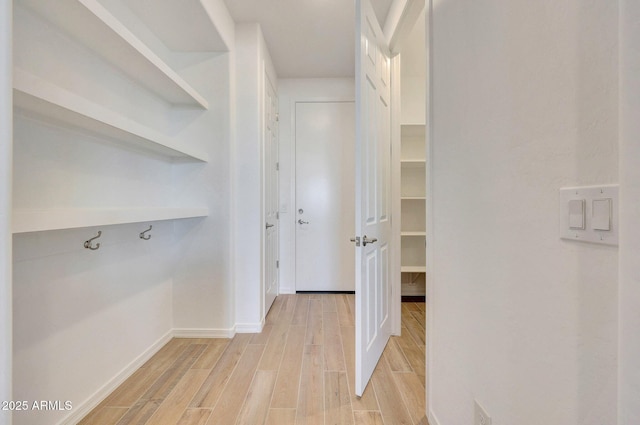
x,y
596,201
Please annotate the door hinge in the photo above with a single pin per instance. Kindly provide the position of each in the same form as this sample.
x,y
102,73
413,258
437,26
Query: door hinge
x,y
278,215
277,264
277,117
277,166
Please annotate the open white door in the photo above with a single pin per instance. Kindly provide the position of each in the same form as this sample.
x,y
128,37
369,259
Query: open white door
x,y
373,164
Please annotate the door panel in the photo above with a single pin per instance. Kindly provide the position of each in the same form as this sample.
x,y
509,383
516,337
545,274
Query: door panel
x,y
325,146
373,221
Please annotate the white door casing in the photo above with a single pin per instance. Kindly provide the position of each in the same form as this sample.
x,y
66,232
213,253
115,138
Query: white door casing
x,y
373,168
271,216
325,146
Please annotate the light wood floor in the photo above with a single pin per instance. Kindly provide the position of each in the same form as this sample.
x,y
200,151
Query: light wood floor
x,y
299,370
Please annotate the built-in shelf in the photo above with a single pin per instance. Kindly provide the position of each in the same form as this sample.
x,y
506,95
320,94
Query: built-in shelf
x,y
413,130
412,195
94,26
413,269
45,100
25,221
411,163
185,25
413,233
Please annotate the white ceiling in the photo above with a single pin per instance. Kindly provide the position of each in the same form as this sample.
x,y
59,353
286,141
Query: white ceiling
x,y
307,38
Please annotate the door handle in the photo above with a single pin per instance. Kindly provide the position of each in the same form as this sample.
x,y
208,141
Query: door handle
x,y
269,225
365,241
300,221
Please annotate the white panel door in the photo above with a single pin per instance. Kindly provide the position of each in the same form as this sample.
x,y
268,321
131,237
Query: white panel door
x,y
271,216
325,146
373,165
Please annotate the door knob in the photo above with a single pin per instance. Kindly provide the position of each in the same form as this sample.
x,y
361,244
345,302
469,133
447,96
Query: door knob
x,y
269,225
365,241
300,221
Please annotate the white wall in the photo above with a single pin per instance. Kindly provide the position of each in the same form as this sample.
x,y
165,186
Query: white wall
x,y
6,140
203,290
82,317
252,61
413,75
293,90
524,102
629,373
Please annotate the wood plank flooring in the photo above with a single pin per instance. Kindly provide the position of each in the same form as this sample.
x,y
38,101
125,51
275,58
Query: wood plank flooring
x,y
299,370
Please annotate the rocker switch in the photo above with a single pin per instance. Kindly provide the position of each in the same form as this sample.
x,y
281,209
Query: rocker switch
x,y
576,214
601,214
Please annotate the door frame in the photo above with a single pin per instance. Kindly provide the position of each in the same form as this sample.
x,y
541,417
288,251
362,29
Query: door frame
x,y
292,181
414,7
294,164
263,154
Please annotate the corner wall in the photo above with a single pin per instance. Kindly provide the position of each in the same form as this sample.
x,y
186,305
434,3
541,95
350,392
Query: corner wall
x,y
6,141
252,62
525,99
629,372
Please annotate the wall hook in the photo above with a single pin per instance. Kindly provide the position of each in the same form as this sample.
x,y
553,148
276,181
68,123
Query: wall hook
x,y
142,235
87,244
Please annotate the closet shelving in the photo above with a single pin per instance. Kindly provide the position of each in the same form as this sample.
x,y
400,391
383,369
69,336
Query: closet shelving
x,y
413,191
91,24
25,221
45,100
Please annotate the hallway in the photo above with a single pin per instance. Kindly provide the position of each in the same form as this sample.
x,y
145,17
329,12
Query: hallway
x,y
299,370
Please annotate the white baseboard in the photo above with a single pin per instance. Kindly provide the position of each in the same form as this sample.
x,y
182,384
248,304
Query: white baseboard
x,y
432,418
286,291
204,333
81,411
249,328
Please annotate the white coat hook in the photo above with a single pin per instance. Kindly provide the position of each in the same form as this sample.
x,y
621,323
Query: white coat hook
x,y
87,244
143,234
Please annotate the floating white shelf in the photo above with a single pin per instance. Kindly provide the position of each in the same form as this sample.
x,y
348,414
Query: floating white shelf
x,y
413,233
413,198
25,221
44,99
183,26
94,26
413,163
413,130
413,269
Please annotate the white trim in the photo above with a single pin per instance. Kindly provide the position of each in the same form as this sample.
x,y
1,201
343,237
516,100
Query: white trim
x,y
249,328
429,238
287,291
6,164
396,205
96,398
204,333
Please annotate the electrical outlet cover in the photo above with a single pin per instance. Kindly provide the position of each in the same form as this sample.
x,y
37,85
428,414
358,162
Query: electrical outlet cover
x,y
480,415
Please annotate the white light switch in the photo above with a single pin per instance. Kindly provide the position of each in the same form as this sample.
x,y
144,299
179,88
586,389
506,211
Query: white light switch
x,y
576,214
601,214
589,214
